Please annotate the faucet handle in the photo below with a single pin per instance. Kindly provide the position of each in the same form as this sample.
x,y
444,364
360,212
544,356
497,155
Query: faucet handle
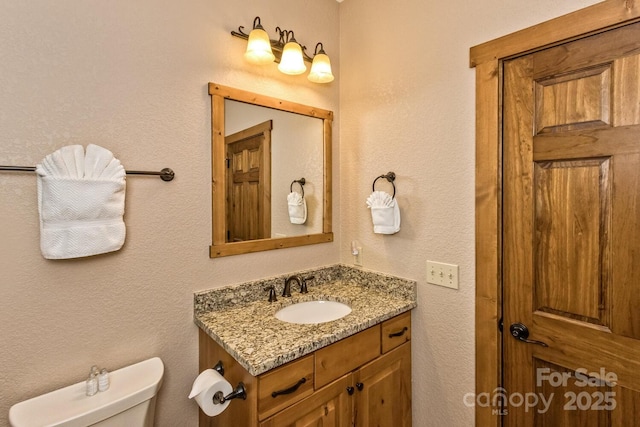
x,y
303,285
272,293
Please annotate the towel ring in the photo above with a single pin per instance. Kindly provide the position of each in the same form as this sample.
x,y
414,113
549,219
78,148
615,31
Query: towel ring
x,y
391,176
300,181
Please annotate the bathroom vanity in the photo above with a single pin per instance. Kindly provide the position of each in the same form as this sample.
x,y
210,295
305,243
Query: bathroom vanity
x,y
349,371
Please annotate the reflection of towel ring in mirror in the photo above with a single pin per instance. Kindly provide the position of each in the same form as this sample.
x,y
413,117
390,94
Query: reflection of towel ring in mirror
x,y
300,181
391,176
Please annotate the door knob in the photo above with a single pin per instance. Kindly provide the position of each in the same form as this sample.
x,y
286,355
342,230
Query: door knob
x,y
521,332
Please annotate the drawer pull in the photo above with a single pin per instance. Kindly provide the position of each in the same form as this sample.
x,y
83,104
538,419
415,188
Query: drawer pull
x,y
290,389
399,334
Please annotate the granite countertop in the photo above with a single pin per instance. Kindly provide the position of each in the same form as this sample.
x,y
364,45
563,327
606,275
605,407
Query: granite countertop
x,y
248,330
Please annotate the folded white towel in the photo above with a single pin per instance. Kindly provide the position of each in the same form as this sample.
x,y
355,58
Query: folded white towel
x,y
297,208
385,212
81,202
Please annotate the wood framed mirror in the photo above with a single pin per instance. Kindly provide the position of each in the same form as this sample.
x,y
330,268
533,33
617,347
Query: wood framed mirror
x,y
261,148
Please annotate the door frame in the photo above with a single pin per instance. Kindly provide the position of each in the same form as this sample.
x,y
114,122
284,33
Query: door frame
x,y
487,59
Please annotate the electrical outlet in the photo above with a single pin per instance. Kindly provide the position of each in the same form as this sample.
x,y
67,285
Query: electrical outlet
x,y
357,259
442,274
356,251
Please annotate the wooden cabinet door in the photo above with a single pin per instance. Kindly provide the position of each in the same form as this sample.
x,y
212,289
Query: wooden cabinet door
x,y
572,233
383,390
328,407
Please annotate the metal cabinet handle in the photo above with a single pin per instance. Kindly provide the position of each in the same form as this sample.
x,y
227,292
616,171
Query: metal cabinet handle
x,y
399,334
521,333
359,386
290,389
350,390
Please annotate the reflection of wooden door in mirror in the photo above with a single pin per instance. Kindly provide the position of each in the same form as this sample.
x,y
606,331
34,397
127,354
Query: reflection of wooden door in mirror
x,y
248,155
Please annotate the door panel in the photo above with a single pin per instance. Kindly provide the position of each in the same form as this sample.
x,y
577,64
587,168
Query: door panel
x,y
572,101
384,390
571,231
575,410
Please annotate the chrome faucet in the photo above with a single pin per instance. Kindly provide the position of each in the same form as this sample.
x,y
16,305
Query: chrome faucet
x,y
286,292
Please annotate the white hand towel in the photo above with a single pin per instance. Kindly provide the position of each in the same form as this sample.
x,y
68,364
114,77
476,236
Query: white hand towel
x,y
81,202
297,208
385,212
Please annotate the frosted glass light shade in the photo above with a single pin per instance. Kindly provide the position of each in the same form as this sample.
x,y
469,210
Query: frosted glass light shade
x,y
292,62
259,48
321,69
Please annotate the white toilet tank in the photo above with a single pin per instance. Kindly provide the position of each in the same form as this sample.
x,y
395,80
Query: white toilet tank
x,y
130,401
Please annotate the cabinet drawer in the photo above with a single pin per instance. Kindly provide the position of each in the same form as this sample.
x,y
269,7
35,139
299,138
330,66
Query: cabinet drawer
x,y
279,388
396,331
329,406
346,355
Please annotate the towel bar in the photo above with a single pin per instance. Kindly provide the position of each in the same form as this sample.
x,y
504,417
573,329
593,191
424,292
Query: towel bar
x,y
165,174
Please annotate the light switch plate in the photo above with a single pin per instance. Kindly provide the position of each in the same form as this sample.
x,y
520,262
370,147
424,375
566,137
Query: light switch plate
x,y
441,274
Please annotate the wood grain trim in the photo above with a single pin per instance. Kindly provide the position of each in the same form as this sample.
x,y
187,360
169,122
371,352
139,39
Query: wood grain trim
x,y
488,238
227,249
253,98
218,181
327,215
608,14
586,143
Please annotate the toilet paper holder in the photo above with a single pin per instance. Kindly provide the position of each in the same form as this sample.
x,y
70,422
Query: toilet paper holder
x,y
239,392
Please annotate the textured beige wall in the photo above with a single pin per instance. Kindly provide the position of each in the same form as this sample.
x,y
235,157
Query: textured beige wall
x,y
407,105
130,76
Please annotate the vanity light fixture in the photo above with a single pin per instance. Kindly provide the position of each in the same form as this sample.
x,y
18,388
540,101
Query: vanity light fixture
x,y
321,67
286,51
258,45
292,61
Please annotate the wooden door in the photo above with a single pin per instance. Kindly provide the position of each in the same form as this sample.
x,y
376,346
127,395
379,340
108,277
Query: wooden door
x,y
383,390
248,156
328,407
571,233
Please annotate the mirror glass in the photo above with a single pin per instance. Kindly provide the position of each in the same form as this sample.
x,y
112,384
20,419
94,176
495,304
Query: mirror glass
x,y
271,173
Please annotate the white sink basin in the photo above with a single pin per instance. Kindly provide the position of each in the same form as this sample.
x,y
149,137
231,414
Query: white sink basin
x,y
313,312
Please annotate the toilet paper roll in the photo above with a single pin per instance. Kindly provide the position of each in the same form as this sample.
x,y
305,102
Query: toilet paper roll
x,y
206,385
